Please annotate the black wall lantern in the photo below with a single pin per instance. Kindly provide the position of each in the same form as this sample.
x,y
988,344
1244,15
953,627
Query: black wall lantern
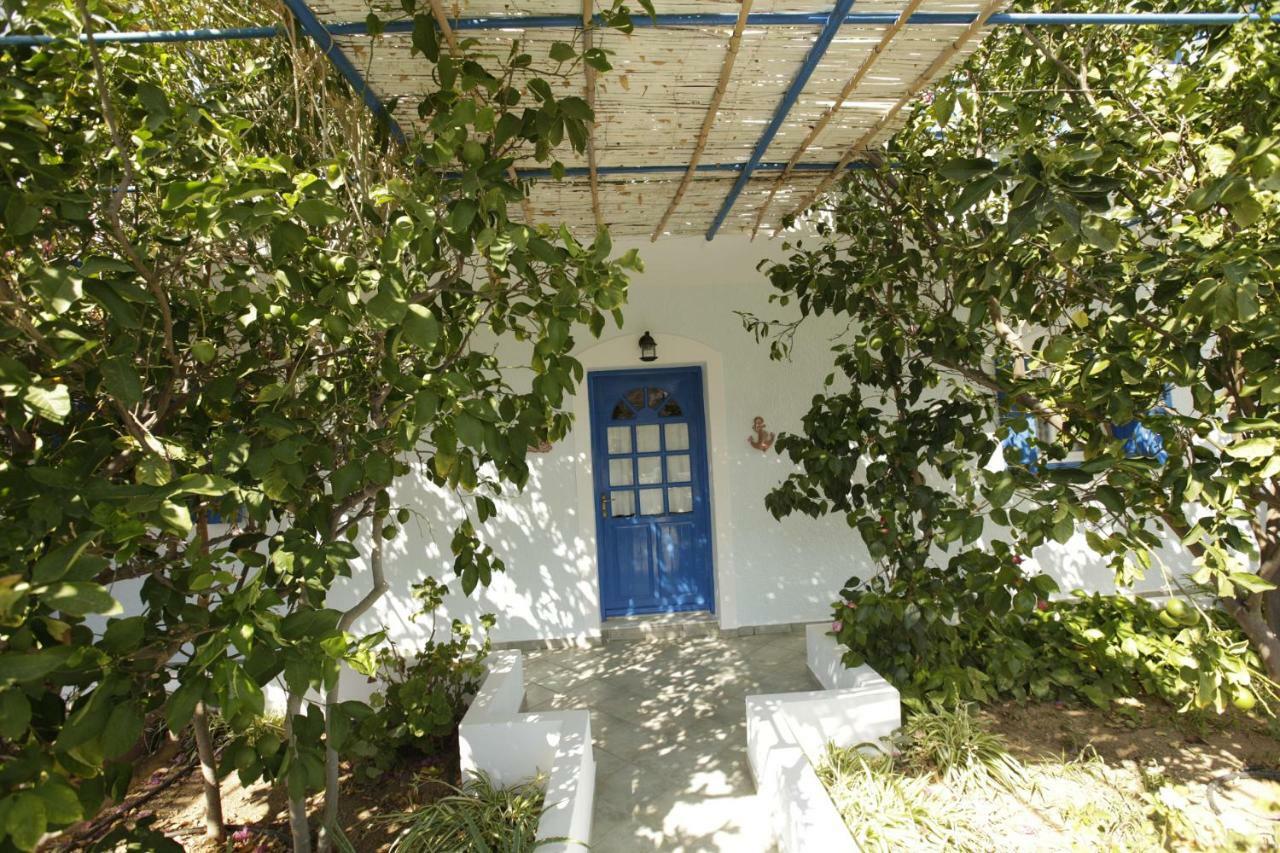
x,y
648,348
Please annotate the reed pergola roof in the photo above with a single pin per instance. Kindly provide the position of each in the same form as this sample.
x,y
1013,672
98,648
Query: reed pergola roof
x,y
708,124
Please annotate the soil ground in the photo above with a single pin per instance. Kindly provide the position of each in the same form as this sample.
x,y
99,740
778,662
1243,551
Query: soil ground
x,y
261,808
1139,761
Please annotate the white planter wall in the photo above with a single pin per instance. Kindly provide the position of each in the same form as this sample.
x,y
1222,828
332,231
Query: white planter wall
x,y
788,733
513,748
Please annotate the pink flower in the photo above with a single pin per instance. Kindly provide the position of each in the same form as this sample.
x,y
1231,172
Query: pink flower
x,y
242,834
836,626
850,605
1042,605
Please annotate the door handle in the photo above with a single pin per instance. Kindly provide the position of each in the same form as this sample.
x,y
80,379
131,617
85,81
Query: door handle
x,y
604,505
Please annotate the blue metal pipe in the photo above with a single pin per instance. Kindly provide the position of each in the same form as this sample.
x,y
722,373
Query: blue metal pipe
x,y
149,36
605,171
324,40
760,19
809,19
811,60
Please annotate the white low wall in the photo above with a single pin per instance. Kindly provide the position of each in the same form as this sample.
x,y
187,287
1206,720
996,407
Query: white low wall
x,y
788,733
511,748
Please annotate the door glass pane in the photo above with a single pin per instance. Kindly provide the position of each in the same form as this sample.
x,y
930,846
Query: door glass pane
x,y
651,501
656,396
622,504
680,498
622,413
620,439
647,438
650,468
677,436
678,468
620,472
635,397
670,410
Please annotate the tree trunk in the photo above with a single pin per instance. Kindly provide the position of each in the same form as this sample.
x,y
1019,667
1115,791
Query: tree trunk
x,y
213,826
298,826
1252,619
332,792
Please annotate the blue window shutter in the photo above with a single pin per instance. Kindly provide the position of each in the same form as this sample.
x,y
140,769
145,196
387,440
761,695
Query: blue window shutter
x,y
1022,431
1141,441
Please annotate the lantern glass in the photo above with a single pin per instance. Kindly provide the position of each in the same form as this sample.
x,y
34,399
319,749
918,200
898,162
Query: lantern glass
x,y
648,348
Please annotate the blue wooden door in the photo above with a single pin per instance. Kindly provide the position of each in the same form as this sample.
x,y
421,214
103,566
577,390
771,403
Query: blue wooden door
x,y
653,512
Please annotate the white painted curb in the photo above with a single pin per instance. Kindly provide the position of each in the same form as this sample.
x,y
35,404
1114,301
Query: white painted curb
x,y
511,747
787,734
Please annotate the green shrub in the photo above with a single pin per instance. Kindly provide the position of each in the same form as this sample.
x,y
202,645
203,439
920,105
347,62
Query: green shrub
x,y
476,819
953,744
426,694
984,631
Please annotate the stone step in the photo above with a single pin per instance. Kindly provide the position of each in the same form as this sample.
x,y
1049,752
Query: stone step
x,y
660,626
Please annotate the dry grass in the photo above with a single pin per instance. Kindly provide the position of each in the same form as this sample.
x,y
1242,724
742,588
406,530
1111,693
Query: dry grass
x,y
954,782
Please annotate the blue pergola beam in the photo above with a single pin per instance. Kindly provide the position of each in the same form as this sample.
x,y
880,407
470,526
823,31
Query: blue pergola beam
x,y
343,65
760,19
816,51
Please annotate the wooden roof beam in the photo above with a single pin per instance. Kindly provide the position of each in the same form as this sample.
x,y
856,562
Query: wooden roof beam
x,y
588,29
713,109
914,89
825,119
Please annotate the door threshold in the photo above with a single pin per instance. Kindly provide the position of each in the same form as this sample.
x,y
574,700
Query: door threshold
x,y
661,626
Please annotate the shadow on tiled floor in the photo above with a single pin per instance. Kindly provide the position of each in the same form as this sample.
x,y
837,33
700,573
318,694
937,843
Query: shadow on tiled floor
x,y
669,724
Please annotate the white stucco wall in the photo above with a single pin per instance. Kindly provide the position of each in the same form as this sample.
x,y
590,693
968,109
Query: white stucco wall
x,y
767,572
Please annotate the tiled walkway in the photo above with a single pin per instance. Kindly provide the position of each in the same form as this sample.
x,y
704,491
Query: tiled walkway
x,y
669,724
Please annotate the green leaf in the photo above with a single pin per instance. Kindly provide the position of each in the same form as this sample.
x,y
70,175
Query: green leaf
x,y
1246,211
470,431
1099,232
122,381
1024,600
182,703
124,635
388,304
182,193
122,731
52,404
62,805
421,328
562,52
963,168
1109,496
23,667
287,238
176,517
1251,582
20,216
154,102
55,565
27,820
1253,448
80,598
1063,528
318,213
201,484
1001,490
346,480
597,59
462,214
15,714
153,470
973,193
